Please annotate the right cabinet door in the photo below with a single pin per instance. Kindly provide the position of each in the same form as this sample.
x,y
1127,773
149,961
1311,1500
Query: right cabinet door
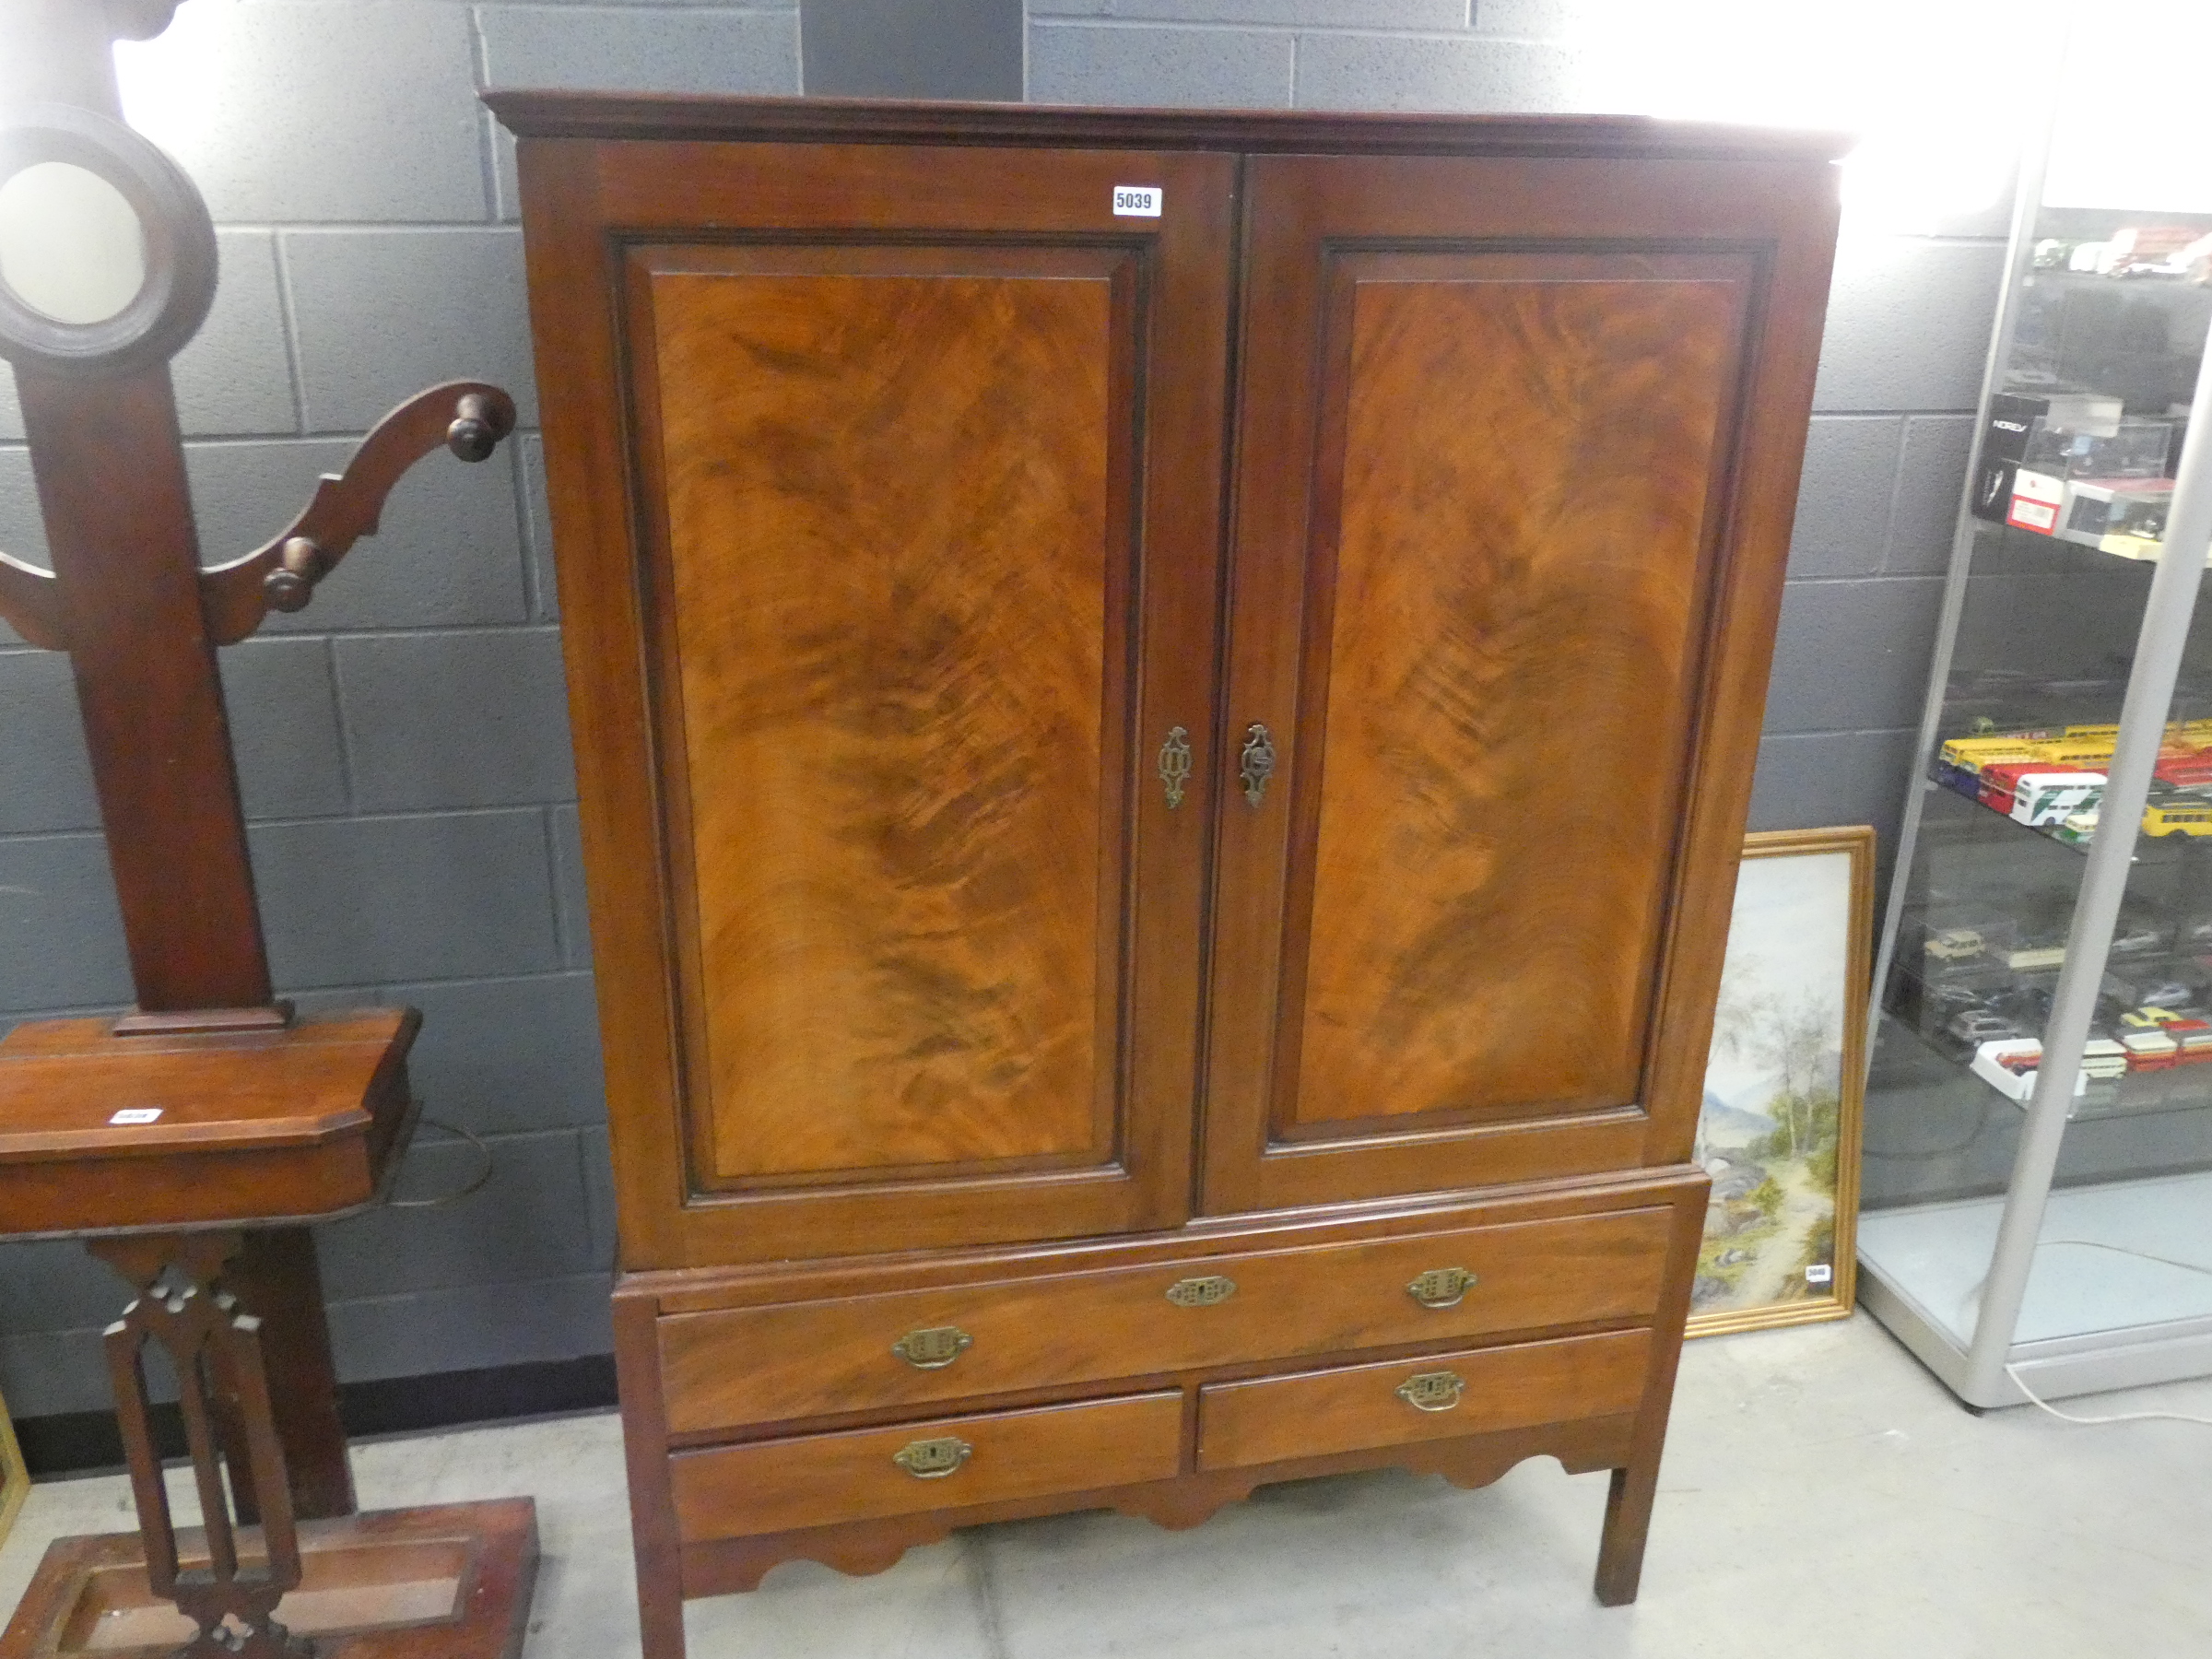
x,y
1517,446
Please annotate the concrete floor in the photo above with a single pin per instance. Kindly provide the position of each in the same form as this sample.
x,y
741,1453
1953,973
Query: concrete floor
x,y
1822,1496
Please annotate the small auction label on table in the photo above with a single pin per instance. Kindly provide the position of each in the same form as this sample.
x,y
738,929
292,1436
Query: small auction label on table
x,y
138,1115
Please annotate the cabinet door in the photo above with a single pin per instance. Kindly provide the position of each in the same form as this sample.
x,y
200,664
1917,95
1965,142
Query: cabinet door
x,y
1518,440
880,604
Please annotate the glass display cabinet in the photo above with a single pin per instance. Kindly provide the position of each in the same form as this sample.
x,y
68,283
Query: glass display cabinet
x,y
2038,1179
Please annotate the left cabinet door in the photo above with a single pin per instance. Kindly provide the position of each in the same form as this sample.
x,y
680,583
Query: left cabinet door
x,y
885,485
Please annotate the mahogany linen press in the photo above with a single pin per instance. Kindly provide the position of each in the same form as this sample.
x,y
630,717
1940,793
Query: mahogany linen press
x,y
1165,705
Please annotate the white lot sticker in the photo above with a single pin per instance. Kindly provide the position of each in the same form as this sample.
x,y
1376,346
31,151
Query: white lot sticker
x,y
1819,1273
138,1115
1137,201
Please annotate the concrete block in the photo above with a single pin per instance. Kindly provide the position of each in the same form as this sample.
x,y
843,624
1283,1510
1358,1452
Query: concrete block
x,y
569,888
538,528
350,901
284,727
1540,19
894,49
1852,655
286,113
1931,477
55,1285
383,313
45,777
472,1327
22,526
527,1222
599,1188
1843,495
508,1056
1811,779
455,719
1393,71
448,551
640,49
235,377
1290,14
1908,324
46,1372
1230,69
61,933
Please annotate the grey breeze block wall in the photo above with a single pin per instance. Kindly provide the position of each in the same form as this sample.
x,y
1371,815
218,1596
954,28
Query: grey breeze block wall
x,y
404,743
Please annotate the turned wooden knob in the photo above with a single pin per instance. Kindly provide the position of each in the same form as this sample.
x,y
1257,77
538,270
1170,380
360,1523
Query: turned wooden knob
x,y
301,564
479,425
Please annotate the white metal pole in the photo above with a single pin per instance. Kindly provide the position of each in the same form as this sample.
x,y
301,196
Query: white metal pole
x,y
2167,616
2028,197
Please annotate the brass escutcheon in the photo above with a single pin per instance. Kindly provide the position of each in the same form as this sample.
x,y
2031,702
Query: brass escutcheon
x,y
934,1348
1255,761
933,1459
1175,764
1441,1287
1432,1391
1202,1292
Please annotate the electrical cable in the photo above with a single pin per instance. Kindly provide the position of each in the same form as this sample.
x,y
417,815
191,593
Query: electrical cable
x,y
470,1190
2013,1371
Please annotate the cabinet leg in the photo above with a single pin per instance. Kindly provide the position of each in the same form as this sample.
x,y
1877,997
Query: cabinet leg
x,y
1628,1522
660,1608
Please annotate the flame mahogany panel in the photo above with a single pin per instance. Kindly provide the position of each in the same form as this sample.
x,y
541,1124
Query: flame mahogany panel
x,y
900,592
1524,449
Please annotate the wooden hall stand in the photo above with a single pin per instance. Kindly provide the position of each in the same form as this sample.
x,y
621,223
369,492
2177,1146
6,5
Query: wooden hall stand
x,y
190,1142
1165,705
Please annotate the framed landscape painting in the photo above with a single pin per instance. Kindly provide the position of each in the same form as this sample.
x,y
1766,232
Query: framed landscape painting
x,y
15,1480
1784,1086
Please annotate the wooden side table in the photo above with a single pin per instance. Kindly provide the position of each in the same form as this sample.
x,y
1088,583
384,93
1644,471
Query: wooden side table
x,y
191,1164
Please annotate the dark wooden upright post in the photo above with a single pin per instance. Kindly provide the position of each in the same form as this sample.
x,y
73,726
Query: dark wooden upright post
x,y
110,464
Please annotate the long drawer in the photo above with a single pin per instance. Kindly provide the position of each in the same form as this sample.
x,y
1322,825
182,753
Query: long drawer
x,y
815,1480
1441,1397
792,1360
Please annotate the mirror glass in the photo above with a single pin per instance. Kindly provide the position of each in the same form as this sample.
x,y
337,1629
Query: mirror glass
x,y
70,243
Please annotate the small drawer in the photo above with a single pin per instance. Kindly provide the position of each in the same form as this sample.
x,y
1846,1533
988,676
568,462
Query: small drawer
x,y
792,1360
776,1485
1354,1407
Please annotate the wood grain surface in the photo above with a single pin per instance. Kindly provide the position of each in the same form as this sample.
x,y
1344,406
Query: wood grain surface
x,y
775,1484
888,507
1350,1407
1527,450
812,1359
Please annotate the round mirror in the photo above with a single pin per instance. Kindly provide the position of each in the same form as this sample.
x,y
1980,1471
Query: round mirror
x,y
71,247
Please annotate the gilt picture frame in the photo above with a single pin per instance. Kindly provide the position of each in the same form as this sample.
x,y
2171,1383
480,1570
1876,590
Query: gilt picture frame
x,y
15,1479
1779,1131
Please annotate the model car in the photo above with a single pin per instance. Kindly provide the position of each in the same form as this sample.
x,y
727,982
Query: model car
x,y
1954,944
1978,1026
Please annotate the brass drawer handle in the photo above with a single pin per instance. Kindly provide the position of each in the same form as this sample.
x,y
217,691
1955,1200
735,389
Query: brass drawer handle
x,y
1441,1286
1202,1292
1432,1391
933,1459
934,1348
1175,764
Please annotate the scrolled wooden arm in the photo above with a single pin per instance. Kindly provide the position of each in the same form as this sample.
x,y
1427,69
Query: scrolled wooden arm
x,y
30,603
468,417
